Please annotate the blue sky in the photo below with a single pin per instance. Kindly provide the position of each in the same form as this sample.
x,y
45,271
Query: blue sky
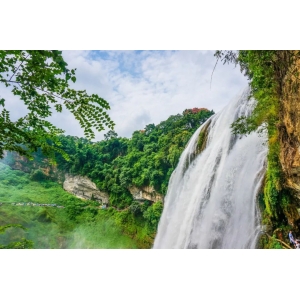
x,y
144,87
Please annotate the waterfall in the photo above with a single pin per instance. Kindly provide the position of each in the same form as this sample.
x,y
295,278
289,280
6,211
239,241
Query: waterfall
x,y
211,198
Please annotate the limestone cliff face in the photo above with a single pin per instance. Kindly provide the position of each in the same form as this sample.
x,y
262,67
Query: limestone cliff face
x,y
82,187
289,132
145,193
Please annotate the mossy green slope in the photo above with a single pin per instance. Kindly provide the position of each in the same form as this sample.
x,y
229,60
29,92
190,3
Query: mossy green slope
x,y
78,225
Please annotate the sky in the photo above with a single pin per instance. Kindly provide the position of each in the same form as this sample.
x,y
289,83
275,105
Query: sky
x,y
144,87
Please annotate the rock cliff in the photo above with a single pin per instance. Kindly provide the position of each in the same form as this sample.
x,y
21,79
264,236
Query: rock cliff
x,y
82,187
145,193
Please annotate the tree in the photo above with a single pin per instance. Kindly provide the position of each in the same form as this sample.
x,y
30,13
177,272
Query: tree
x,y
110,135
41,80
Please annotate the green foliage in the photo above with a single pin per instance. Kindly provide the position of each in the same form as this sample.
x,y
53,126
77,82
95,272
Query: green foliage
x,y
148,158
74,209
202,139
135,208
272,186
3,228
40,79
153,213
110,135
266,242
114,164
21,244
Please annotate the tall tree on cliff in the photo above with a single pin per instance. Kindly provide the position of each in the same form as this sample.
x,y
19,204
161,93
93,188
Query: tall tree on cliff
x,y
41,80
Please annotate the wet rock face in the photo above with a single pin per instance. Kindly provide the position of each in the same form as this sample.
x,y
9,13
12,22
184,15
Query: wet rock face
x,y
290,131
145,193
82,187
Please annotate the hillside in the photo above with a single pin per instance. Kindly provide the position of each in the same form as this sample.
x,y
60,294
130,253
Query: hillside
x,y
54,218
133,173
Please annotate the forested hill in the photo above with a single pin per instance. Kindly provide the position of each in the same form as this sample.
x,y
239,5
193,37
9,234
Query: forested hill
x,y
148,158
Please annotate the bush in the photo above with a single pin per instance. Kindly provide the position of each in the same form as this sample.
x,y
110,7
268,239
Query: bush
x,y
153,213
135,208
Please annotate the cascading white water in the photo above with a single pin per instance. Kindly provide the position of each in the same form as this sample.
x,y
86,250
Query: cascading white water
x,y
211,200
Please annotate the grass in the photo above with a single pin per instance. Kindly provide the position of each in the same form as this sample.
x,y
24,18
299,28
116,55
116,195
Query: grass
x,y
80,224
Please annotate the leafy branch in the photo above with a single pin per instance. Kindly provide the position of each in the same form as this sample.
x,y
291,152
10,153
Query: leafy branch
x,y
41,80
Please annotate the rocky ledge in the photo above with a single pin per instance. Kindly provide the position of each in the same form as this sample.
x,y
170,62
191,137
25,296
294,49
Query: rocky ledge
x,y
82,187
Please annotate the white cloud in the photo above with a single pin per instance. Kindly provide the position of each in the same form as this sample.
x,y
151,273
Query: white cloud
x,y
149,86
